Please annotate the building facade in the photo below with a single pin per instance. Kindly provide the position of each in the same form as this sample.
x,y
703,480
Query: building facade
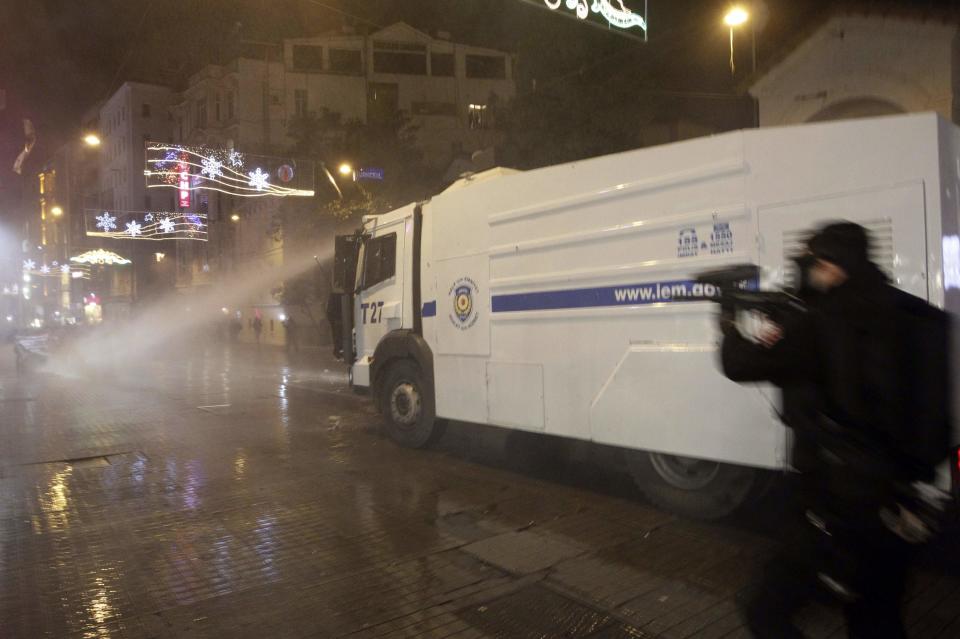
x,y
58,196
862,65
135,114
446,91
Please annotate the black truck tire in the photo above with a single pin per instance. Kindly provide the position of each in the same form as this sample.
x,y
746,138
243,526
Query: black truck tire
x,y
407,404
694,488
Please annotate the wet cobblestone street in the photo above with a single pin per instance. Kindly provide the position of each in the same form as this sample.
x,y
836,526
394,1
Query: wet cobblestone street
x,y
221,493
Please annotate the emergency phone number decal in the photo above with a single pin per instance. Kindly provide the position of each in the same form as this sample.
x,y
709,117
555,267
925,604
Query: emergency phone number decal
x,y
720,242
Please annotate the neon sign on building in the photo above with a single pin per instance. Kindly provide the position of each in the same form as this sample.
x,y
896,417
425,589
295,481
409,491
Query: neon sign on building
x,y
616,16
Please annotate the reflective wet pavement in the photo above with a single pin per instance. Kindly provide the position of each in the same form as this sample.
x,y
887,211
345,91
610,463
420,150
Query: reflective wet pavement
x,y
219,493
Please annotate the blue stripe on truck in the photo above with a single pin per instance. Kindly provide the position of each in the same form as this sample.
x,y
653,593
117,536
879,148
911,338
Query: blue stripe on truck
x,y
629,295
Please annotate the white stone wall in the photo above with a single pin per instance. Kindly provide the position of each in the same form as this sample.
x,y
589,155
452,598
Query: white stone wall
x,y
861,66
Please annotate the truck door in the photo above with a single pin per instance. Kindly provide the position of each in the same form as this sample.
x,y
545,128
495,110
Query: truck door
x,y
378,304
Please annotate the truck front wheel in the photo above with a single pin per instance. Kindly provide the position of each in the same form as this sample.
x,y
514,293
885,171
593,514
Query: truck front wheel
x,y
695,488
407,406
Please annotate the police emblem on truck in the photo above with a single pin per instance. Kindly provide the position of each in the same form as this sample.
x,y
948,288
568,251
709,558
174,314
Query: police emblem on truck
x,y
464,313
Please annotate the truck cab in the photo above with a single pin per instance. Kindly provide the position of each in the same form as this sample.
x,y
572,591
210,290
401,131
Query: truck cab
x,y
383,296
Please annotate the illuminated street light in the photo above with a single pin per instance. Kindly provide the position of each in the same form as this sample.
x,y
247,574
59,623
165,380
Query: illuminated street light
x,y
235,217
345,169
57,211
91,139
736,17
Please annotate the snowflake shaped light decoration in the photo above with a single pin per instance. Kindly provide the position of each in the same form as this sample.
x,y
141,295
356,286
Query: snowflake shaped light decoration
x,y
44,269
166,225
148,217
65,268
259,179
235,159
29,265
106,222
169,158
133,229
212,167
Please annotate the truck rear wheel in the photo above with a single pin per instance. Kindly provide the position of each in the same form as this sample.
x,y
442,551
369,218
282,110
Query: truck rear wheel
x,y
695,488
407,406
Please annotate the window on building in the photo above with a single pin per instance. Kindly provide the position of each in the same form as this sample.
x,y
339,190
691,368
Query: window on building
x,y
230,105
345,61
433,108
300,102
145,110
408,58
486,66
442,64
380,259
216,106
307,57
202,113
477,116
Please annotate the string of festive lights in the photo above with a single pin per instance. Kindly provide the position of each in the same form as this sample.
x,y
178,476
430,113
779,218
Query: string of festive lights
x,y
54,270
100,257
140,225
226,171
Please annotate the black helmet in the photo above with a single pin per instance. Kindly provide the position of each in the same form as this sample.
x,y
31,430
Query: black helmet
x,y
843,243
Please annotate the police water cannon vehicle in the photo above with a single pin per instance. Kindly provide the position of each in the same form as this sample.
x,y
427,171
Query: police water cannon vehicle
x,y
564,300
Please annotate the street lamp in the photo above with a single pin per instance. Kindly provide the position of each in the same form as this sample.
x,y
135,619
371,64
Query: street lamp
x,y
57,211
235,217
735,17
345,169
91,139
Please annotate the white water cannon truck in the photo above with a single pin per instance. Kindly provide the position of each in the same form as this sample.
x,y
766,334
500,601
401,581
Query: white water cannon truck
x,y
563,300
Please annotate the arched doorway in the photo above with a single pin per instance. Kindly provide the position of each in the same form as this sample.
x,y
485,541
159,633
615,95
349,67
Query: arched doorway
x,y
856,108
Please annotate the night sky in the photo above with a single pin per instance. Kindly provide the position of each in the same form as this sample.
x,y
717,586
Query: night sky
x,y
61,56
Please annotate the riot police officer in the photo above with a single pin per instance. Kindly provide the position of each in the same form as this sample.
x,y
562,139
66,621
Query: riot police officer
x,y
850,369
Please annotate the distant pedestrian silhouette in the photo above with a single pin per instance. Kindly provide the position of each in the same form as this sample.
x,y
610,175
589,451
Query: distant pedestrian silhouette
x,y
257,328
